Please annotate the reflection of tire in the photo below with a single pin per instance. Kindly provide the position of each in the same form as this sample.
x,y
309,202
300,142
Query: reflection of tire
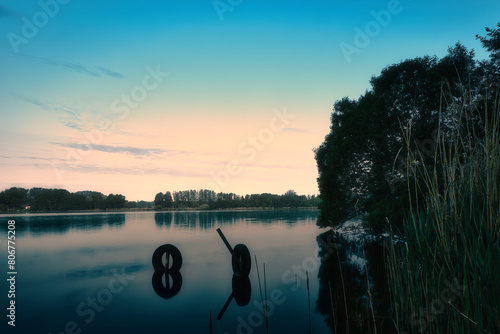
x,y
169,251
241,260
242,290
171,287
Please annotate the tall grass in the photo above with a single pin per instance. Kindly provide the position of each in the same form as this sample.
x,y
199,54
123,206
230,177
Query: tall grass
x,y
445,276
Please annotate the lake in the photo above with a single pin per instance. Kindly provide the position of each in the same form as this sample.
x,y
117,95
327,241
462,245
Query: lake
x,y
93,273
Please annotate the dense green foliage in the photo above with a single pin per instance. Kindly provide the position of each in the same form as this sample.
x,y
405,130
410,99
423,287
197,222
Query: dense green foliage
x,y
363,161
421,149
444,277
46,200
491,42
210,200
41,199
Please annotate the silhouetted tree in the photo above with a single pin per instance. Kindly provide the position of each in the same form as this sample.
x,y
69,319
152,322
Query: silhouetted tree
x,y
208,199
362,163
159,200
115,201
491,42
13,198
168,201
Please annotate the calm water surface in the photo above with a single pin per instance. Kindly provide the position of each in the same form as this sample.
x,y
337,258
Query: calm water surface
x,y
92,273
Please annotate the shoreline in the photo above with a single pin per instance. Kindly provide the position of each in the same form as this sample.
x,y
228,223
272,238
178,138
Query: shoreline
x,y
22,213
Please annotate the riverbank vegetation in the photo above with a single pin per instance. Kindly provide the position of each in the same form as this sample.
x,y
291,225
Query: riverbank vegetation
x,y
47,200
445,275
60,200
362,163
444,278
210,200
419,154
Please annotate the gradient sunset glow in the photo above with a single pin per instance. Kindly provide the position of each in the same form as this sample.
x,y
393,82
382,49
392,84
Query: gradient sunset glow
x,y
139,97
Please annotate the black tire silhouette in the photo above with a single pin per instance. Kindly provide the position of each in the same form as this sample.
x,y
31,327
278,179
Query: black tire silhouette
x,y
242,290
170,288
241,260
170,251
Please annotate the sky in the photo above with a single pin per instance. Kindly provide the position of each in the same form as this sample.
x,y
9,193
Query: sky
x,y
141,97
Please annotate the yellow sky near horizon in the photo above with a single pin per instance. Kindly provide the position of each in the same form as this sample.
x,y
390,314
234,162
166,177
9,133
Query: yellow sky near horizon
x,y
268,151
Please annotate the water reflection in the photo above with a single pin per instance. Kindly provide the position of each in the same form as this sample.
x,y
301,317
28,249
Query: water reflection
x,y
167,283
241,293
164,219
61,224
61,271
167,279
38,225
209,219
353,292
167,263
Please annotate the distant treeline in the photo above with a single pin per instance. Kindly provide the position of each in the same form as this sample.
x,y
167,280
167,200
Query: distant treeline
x,y
210,200
41,199
46,200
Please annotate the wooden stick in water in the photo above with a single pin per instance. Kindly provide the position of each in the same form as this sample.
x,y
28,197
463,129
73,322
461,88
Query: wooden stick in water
x,y
308,300
225,241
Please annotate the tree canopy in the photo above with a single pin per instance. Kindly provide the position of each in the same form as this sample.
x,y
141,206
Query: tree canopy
x,y
209,199
362,161
42,199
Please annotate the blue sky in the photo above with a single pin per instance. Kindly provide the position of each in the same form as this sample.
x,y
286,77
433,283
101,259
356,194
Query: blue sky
x,y
231,65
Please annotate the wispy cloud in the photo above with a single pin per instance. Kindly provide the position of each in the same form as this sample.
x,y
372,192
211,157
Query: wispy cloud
x,y
126,149
72,66
48,159
73,125
111,73
136,151
94,71
70,116
89,168
45,105
92,168
138,170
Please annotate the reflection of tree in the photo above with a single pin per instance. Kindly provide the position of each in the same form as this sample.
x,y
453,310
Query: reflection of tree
x,y
60,224
342,276
164,219
209,219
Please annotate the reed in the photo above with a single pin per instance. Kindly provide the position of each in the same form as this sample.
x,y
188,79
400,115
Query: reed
x,y
444,276
263,297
